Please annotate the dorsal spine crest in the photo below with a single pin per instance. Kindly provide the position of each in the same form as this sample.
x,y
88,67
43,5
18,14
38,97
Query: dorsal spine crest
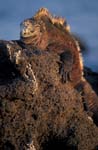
x,y
42,12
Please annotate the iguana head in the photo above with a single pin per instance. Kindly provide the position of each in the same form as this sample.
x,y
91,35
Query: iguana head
x,y
27,28
32,26
36,26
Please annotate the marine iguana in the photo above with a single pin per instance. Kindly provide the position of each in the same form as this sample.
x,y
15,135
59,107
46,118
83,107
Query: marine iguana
x,y
48,33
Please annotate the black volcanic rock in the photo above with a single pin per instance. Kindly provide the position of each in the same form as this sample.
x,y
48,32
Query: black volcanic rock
x,y
92,78
38,111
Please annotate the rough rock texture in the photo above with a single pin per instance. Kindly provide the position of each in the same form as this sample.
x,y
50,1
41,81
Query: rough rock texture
x,y
37,110
51,116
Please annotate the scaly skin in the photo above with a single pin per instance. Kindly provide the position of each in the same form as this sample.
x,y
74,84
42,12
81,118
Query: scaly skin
x,y
45,32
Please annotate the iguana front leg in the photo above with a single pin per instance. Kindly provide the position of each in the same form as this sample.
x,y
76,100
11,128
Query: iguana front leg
x,y
66,65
